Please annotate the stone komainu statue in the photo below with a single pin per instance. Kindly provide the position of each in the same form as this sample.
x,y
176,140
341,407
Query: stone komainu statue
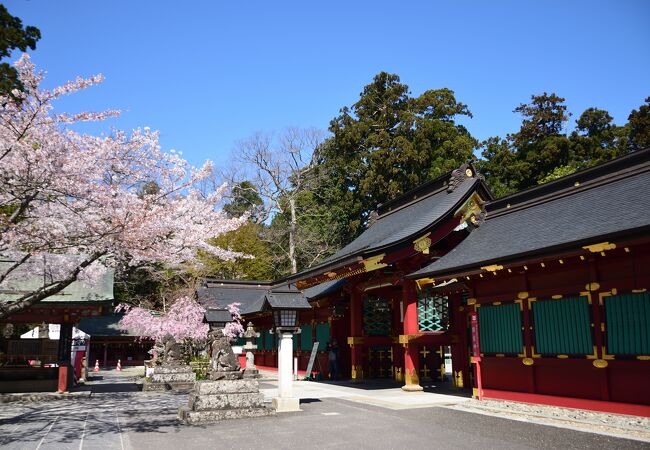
x,y
222,358
172,351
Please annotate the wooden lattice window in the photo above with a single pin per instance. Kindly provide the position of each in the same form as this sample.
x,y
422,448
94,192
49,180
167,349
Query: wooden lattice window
x,y
563,326
433,311
377,316
628,324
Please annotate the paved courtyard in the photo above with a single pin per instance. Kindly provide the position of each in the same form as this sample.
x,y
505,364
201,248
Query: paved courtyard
x,y
118,416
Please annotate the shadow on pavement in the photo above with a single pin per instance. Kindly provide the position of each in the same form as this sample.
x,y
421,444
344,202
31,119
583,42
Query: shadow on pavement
x,y
434,387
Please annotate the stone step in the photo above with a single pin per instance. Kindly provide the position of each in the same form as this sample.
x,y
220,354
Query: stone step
x,y
226,387
181,386
225,401
172,369
198,417
173,377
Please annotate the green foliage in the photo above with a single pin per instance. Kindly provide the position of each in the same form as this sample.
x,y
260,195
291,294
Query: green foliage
x,y
13,36
245,199
540,152
387,143
596,139
558,172
640,126
500,166
245,239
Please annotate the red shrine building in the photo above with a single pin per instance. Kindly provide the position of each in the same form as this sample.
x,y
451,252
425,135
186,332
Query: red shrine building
x,y
33,365
557,276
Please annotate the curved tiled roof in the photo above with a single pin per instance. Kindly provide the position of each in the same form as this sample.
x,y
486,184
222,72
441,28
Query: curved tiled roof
x,y
605,201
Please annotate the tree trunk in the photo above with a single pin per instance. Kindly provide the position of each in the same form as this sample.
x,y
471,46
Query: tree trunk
x,y
28,300
292,237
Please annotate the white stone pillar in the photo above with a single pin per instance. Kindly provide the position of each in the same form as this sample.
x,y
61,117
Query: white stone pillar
x,y
285,401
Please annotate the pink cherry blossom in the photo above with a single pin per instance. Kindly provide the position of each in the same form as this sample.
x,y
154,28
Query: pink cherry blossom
x,y
67,193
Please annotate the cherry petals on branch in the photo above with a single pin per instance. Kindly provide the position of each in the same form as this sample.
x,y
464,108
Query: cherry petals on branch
x,y
109,198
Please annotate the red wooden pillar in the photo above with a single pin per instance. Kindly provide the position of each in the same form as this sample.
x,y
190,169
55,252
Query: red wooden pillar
x,y
460,345
411,355
355,340
599,341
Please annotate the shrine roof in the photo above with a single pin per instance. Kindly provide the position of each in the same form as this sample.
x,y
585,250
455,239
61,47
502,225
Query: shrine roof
x,y
604,202
219,314
99,290
324,289
102,326
405,218
252,295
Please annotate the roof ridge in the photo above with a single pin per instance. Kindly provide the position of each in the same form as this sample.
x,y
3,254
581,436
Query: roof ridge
x,y
604,169
429,188
568,189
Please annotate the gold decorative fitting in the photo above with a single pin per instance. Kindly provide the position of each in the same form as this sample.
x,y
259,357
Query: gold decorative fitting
x,y
471,301
330,274
592,286
582,257
556,297
576,184
600,247
496,303
373,263
643,358
639,291
469,172
499,355
480,275
627,250
405,339
509,271
542,264
424,281
492,268
522,295
600,363
563,356
354,340
422,244
508,205
525,267
528,361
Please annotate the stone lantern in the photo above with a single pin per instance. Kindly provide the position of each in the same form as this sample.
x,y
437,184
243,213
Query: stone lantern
x,y
250,334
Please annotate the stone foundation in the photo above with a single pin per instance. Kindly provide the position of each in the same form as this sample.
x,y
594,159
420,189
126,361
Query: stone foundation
x,y
171,377
211,401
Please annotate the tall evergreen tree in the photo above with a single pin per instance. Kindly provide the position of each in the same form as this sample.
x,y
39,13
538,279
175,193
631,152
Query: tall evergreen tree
x,y
386,143
596,139
640,126
13,36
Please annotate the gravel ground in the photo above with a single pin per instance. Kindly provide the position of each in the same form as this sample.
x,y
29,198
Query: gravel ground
x,y
600,422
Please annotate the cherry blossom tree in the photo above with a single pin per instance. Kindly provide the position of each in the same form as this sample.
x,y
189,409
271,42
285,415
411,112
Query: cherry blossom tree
x,y
71,203
184,320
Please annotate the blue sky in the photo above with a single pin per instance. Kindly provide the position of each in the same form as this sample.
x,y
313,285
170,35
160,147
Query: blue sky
x,y
207,73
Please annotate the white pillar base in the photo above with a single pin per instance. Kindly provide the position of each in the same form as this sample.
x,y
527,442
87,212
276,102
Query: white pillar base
x,y
286,404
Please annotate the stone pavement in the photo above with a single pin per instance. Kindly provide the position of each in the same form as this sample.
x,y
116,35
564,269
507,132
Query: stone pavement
x,y
118,416
381,393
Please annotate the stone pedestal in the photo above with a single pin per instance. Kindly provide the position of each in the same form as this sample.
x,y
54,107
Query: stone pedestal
x,y
175,377
212,401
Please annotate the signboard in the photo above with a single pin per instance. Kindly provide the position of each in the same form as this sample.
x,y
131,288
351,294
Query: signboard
x,y
476,341
476,351
312,358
